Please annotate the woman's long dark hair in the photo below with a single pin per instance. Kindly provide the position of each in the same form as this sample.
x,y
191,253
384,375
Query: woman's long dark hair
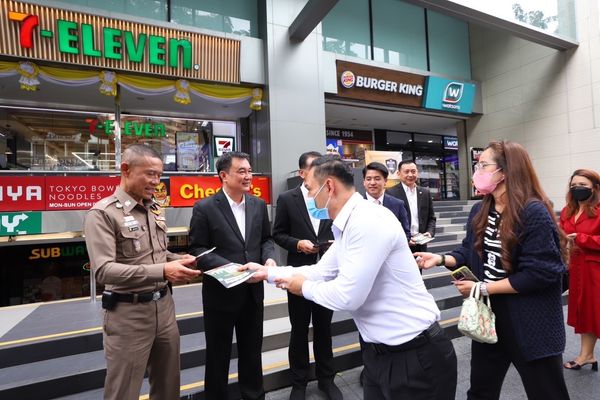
x,y
589,207
522,187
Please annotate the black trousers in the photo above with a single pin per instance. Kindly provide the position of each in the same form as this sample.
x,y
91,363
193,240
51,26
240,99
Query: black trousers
x,y
218,326
425,372
301,311
543,379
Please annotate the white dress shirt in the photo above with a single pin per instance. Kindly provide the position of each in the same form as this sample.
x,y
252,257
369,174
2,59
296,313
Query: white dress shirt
x,y
315,222
370,272
378,200
239,212
411,196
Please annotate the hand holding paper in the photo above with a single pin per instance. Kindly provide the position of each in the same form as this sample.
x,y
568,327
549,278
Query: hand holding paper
x,y
261,272
229,275
292,284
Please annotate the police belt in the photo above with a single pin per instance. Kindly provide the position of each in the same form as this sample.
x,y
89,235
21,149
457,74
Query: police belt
x,y
421,339
141,297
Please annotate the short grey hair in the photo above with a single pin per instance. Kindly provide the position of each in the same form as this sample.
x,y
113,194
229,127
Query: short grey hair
x,y
134,152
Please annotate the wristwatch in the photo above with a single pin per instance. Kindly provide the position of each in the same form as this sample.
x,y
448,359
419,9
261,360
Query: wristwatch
x,y
483,289
442,263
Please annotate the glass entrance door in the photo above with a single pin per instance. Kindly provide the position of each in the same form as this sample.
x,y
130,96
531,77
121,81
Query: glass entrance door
x,y
431,173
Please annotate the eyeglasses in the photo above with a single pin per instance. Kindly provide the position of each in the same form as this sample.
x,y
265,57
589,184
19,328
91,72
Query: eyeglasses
x,y
482,165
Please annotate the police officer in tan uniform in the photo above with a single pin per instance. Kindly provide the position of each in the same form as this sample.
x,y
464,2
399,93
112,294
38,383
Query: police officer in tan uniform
x,y
126,238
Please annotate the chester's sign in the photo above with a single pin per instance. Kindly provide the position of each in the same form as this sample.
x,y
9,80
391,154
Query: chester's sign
x,y
185,191
37,32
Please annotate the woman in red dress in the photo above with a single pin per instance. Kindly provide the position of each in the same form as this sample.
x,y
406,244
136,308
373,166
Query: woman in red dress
x,y
580,220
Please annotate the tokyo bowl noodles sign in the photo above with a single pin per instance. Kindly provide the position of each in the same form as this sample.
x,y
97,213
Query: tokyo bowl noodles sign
x,y
75,193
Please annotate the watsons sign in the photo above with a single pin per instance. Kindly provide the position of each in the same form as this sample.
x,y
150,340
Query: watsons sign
x,y
363,82
448,95
37,32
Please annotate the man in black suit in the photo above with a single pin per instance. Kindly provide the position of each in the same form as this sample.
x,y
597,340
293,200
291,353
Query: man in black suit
x,y
237,224
374,179
305,238
418,203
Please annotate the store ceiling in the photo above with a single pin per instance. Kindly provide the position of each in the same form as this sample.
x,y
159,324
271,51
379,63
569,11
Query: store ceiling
x,y
88,98
359,116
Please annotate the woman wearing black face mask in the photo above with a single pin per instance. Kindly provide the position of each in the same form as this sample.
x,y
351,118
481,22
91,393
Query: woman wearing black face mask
x,y
580,219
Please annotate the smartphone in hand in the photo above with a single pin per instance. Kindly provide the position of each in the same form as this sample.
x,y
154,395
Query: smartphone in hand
x,y
463,274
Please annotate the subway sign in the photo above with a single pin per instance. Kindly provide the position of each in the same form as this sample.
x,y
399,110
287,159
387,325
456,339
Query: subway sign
x,y
38,32
448,95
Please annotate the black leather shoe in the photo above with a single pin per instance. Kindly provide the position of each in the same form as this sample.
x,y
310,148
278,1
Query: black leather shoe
x,y
332,392
298,393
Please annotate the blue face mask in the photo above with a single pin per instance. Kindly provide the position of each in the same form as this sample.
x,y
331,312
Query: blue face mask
x,y
311,205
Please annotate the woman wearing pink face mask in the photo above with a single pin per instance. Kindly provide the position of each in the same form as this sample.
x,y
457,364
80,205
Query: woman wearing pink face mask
x,y
514,246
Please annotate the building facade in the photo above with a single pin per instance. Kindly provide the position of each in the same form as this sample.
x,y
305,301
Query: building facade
x,y
385,80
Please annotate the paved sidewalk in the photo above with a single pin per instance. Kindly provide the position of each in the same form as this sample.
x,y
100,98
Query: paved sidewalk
x,y
583,384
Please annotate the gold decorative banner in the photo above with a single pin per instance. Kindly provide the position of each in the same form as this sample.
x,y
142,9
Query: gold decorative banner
x,y
35,32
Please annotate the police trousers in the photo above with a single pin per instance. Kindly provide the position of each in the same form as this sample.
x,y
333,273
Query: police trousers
x,y
138,338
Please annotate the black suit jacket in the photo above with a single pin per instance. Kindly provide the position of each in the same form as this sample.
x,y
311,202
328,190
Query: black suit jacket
x,y
424,204
213,225
293,224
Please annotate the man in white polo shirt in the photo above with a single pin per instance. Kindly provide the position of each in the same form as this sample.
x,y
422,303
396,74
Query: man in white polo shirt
x,y
370,272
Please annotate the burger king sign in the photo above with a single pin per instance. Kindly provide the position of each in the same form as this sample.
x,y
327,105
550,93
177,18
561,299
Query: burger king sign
x,y
348,79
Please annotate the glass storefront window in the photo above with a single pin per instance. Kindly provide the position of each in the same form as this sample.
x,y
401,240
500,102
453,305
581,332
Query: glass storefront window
x,y
153,9
448,45
399,34
231,16
47,140
438,166
346,29
52,271
555,17
55,141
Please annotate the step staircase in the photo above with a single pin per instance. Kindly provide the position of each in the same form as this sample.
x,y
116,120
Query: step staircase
x,y
66,361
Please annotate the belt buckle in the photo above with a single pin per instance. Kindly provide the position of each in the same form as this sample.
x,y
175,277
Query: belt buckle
x,y
156,296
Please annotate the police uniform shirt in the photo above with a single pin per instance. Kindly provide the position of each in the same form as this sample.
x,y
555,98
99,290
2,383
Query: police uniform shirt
x,y
370,272
127,244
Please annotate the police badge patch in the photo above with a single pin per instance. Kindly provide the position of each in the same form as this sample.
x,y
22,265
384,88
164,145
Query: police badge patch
x,y
392,165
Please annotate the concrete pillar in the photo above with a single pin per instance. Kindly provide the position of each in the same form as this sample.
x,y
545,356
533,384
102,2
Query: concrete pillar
x,y
296,103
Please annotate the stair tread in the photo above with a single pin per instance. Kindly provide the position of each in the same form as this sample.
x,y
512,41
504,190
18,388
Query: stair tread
x,y
19,375
273,361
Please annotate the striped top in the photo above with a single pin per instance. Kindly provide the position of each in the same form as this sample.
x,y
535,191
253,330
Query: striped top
x,y
492,248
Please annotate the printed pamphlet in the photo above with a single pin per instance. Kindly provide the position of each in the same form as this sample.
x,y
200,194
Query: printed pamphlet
x,y
229,276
